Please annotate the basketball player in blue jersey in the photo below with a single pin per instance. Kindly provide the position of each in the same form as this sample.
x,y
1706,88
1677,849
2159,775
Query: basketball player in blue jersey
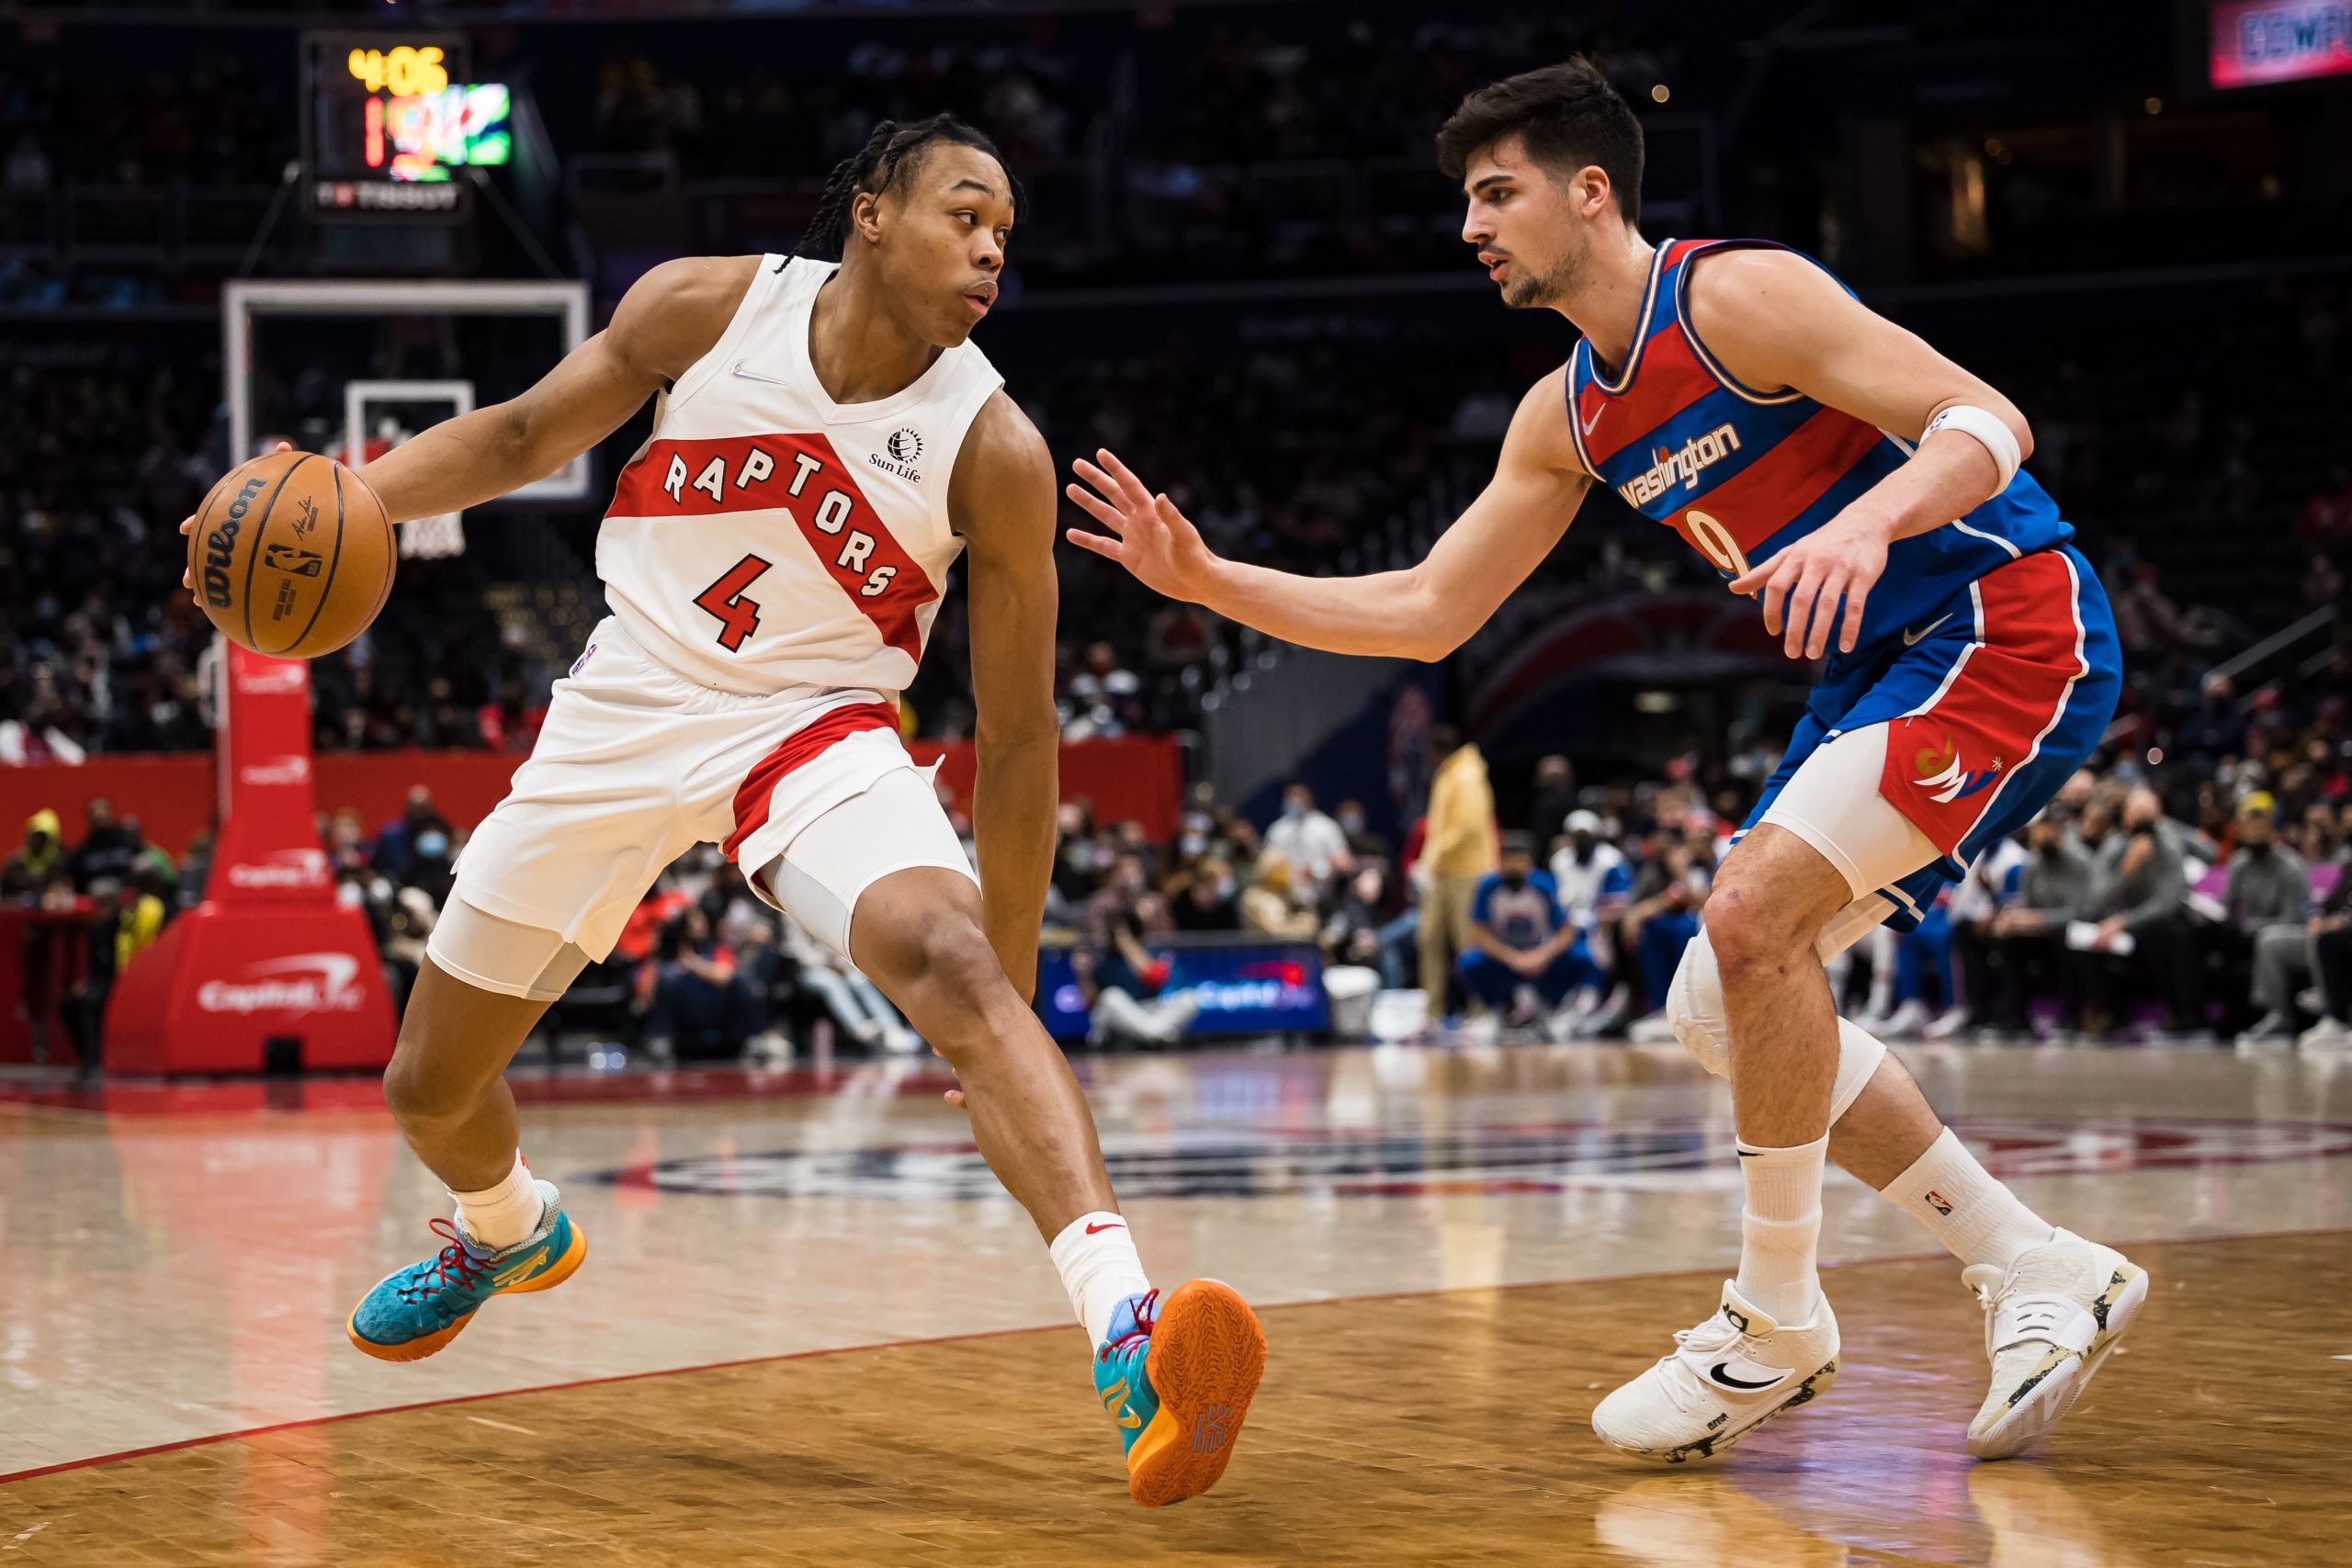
x,y
1868,493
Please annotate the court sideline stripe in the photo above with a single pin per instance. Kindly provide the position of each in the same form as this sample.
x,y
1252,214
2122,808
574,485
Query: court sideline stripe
x,y
125,1455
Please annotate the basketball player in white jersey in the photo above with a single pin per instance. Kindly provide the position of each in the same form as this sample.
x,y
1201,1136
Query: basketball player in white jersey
x,y
826,442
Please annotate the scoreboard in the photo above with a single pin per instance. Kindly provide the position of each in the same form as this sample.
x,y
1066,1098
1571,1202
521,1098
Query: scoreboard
x,y
388,122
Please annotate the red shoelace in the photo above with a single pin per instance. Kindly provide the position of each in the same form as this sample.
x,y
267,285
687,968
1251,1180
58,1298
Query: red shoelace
x,y
1142,1330
455,1266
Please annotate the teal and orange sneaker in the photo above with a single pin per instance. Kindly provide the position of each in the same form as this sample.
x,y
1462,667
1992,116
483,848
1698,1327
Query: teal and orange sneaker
x,y
1179,1381
414,1312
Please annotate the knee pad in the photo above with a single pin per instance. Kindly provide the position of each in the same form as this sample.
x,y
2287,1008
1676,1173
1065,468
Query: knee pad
x,y
1694,1007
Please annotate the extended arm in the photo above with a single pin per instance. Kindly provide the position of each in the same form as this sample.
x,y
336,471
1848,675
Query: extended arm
x,y
1423,612
1002,500
669,319
1776,320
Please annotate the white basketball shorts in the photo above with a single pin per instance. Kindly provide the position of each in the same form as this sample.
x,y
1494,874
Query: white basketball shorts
x,y
636,763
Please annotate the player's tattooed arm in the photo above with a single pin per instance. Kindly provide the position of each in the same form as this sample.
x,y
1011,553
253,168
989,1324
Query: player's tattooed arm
x,y
1423,612
1775,321
1002,500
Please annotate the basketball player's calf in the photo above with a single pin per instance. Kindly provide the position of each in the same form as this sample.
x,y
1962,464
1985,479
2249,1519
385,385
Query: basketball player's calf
x,y
2056,1304
1177,1376
446,1088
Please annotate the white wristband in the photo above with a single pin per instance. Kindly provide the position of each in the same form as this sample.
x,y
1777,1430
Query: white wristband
x,y
1991,432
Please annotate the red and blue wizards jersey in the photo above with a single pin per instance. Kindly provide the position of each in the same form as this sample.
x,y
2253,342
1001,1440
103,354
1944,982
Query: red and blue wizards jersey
x,y
1742,474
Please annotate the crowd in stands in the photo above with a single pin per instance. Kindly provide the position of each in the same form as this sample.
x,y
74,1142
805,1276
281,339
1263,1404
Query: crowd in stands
x,y
2205,899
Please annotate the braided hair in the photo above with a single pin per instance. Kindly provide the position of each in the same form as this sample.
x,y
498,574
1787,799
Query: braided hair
x,y
892,152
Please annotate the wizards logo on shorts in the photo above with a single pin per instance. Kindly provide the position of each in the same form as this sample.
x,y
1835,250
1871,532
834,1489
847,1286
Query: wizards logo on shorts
x,y
1936,769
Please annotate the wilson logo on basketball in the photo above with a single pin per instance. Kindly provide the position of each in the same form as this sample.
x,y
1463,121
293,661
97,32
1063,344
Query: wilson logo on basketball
x,y
221,543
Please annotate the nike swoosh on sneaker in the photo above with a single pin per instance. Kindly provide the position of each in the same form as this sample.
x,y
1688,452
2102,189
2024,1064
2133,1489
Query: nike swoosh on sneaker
x,y
1913,639
1721,1373
514,1271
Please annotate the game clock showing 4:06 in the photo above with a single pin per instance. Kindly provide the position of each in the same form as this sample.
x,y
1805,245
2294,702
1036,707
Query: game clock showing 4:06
x,y
390,120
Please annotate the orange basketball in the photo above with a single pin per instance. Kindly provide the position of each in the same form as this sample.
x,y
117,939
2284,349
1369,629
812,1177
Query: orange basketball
x,y
291,554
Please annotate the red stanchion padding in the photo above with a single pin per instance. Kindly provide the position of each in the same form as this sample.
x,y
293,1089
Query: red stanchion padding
x,y
269,970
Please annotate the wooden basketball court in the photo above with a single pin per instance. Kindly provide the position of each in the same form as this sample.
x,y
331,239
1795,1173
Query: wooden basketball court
x,y
809,1334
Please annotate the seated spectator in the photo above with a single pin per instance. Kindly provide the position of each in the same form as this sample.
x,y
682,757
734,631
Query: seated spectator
x,y
855,1004
1125,991
1669,890
1363,842
1314,846
1586,868
1352,934
1976,904
39,863
2141,933
2330,931
1523,949
2053,888
1274,903
396,839
124,920
1205,899
108,849
696,1001
2267,900
1556,800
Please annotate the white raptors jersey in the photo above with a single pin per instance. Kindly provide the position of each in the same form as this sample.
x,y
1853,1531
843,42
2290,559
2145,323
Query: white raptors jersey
x,y
765,536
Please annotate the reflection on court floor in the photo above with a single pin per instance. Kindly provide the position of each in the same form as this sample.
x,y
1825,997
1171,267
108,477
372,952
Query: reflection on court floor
x,y
1457,1250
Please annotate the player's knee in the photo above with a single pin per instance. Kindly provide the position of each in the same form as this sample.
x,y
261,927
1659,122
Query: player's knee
x,y
947,972
420,1094
1753,935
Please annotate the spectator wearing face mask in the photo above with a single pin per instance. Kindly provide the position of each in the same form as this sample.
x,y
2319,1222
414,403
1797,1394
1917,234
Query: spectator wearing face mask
x,y
1587,868
1523,952
1206,899
1363,842
1555,800
1314,846
2029,933
396,839
2140,891
2269,898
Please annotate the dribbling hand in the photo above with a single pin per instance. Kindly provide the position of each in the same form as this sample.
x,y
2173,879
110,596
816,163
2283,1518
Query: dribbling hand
x,y
1148,536
188,525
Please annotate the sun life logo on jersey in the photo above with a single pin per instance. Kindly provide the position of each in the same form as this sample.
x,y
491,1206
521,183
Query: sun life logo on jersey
x,y
1939,772
1698,453
903,447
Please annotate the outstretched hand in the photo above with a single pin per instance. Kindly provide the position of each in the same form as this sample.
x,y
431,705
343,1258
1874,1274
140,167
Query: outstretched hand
x,y
1148,536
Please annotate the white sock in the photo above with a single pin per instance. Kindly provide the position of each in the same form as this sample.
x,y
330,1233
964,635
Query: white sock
x,y
500,1216
1780,1229
1097,1257
1976,1218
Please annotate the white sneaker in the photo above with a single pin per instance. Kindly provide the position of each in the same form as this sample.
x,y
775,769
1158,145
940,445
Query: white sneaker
x,y
2270,1033
2049,1321
1904,1023
1724,1379
1950,1023
2326,1037
1655,1030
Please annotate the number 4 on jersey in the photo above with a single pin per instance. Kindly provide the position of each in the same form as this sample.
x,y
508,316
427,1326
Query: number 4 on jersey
x,y
739,618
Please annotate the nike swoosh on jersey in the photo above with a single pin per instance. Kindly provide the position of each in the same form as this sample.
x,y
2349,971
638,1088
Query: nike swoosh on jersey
x,y
755,376
1588,424
1912,638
